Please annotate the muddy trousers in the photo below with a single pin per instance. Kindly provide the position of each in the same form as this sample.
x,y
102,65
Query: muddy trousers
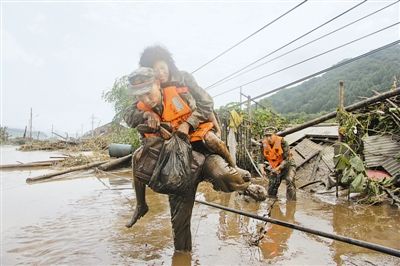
x,y
181,213
275,181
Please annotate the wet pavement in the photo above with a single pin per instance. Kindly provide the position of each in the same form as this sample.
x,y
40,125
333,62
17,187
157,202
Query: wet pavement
x,y
79,218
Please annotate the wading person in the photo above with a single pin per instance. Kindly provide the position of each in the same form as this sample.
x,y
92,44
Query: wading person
x,y
173,106
279,164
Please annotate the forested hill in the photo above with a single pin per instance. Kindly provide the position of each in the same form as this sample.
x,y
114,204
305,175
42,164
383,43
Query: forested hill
x,y
319,94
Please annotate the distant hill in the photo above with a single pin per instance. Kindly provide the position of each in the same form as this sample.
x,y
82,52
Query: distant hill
x,y
320,94
19,133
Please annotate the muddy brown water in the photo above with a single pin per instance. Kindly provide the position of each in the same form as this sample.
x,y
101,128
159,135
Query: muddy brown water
x,y
78,220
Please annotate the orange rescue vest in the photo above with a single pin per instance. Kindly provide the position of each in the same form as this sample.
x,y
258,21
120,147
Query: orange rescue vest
x,y
272,150
176,111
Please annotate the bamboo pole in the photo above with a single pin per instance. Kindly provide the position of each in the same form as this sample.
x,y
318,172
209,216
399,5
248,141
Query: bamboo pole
x,y
19,165
356,242
349,108
69,170
111,164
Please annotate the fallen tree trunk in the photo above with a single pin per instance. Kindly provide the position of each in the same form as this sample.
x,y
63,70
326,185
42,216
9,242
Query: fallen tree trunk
x,y
19,165
114,163
349,108
69,170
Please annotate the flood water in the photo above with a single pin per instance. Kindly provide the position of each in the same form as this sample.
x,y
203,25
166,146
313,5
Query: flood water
x,y
79,218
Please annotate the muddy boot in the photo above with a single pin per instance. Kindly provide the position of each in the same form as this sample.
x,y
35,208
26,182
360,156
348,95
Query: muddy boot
x,y
273,185
256,192
290,185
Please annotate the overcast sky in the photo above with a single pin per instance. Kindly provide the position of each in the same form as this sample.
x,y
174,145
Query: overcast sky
x,y
59,56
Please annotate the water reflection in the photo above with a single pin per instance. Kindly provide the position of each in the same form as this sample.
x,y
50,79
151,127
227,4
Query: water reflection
x,y
375,224
181,259
275,240
79,221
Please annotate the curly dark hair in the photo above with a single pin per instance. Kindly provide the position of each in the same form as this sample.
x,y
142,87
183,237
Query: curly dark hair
x,y
155,53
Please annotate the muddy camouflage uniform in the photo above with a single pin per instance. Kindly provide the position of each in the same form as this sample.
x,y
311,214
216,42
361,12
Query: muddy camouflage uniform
x,y
287,173
215,169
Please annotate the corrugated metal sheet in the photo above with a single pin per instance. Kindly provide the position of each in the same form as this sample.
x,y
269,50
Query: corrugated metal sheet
x,y
297,157
327,157
320,131
382,151
391,166
304,150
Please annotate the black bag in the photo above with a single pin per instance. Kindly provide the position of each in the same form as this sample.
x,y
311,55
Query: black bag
x,y
145,158
173,173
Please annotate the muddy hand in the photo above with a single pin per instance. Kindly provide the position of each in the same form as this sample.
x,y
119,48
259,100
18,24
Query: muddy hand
x,y
139,213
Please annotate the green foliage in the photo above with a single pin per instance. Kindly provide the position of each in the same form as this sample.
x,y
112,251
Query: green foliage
x,y
374,72
302,117
352,168
125,136
223,111
262,118
118,97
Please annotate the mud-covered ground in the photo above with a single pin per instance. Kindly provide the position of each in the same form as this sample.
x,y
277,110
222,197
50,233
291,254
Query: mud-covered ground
x,y
79,219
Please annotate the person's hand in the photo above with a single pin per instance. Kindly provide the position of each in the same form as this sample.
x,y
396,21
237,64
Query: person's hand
x,y
153,120
184,128
272,170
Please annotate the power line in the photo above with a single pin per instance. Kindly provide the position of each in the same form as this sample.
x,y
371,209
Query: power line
x,y
319,38
323,71
308,59
280,48
251,35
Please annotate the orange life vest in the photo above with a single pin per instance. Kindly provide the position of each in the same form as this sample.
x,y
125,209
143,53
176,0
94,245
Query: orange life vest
x,y
272,150
176,111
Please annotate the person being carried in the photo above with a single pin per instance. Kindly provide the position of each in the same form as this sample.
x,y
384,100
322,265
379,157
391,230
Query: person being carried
x,y
160,59
175,105
279,163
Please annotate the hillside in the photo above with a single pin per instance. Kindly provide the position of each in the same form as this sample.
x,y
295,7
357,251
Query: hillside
x,y
320,94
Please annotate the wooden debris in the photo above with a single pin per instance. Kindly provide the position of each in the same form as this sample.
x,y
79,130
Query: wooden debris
x,y
114,163
69,170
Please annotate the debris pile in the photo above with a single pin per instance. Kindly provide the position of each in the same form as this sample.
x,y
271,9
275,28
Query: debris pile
x,y
366,161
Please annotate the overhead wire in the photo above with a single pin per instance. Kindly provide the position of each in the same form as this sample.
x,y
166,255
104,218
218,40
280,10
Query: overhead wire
x,y
248,37
287,44
323,71
306,60
308,43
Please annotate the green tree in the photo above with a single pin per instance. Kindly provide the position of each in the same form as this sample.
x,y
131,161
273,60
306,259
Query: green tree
x,y
118,96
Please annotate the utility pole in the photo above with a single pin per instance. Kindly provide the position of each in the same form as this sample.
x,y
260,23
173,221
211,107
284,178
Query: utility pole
x,y
52,130
92,125
30,126
340,136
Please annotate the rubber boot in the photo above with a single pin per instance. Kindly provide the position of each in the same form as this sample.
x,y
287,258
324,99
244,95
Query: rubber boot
x,y
273,185
290,185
